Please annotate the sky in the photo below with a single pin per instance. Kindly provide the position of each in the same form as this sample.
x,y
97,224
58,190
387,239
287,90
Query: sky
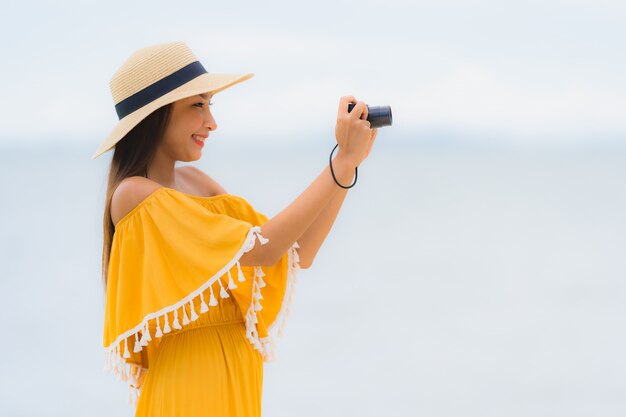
x,y
518,72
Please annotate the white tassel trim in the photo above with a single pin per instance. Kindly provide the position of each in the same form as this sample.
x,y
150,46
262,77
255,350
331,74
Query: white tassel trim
x,y
266,345
125,371
285,311
133,395
114,359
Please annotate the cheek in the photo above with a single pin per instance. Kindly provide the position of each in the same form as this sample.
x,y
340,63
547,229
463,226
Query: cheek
x,y
183,126
189,123
174,137
195,121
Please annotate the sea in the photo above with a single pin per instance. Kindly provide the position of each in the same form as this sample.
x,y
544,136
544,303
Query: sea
x,y
458,280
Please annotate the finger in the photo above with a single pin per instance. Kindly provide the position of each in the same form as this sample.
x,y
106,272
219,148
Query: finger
x,y
358,109
343,104
370,145
373,137
365,112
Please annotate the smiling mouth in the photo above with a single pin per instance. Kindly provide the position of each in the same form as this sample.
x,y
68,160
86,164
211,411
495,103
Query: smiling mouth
x,y
198,139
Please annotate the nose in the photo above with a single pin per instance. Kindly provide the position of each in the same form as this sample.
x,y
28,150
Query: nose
x,y
209,121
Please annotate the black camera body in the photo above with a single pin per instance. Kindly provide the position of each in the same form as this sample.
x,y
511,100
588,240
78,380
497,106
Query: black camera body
x,y
378,116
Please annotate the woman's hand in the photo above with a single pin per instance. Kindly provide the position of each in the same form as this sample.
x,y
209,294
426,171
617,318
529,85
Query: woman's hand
x,y
353,132
372,139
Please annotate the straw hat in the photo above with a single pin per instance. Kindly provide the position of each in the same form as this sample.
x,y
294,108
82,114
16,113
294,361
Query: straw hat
x,y
155,76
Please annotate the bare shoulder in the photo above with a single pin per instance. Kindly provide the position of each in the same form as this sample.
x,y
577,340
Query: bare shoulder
x,y
202,182
128,194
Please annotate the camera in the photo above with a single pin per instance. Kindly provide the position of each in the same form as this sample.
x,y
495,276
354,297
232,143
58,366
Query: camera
x,y
378,116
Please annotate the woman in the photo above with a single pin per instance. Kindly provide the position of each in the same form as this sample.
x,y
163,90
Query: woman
x,y
190,297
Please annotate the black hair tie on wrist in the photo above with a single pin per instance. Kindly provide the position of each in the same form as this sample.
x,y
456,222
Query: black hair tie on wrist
x,y
356,171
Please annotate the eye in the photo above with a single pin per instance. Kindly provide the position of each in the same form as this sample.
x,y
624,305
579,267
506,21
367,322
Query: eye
x,y
201,104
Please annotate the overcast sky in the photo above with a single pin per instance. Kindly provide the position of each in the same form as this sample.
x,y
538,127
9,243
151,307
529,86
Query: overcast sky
x,y
532,71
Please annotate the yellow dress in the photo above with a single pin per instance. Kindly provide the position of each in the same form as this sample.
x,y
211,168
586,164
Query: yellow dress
x,y
185,324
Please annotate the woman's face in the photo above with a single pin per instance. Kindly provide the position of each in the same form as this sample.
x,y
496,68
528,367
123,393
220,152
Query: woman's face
x,y
189,117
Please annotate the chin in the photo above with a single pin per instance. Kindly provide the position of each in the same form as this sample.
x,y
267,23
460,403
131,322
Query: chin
x,y
190,157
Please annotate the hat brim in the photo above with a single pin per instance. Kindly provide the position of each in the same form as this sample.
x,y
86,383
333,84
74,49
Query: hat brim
x,y
205,83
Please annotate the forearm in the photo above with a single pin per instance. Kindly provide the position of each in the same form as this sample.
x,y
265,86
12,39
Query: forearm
x,y
312,239
292,222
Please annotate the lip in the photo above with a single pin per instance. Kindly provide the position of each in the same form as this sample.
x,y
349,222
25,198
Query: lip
x,y
198,142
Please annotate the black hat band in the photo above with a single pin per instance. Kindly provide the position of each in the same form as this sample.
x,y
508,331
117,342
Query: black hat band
x,y
159,88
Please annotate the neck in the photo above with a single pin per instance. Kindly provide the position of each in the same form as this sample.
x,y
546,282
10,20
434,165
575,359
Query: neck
x,y
163,170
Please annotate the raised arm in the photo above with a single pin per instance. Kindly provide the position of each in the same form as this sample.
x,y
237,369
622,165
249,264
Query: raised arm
x,y
354,137
311,241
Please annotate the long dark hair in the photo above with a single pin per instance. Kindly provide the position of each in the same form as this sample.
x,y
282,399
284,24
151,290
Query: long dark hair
x,y
131,157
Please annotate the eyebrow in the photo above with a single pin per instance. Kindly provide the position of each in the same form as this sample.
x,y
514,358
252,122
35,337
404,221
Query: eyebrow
x,y
204,96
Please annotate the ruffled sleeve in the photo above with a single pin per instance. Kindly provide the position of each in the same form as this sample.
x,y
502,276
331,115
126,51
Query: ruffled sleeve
x,y
172,259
